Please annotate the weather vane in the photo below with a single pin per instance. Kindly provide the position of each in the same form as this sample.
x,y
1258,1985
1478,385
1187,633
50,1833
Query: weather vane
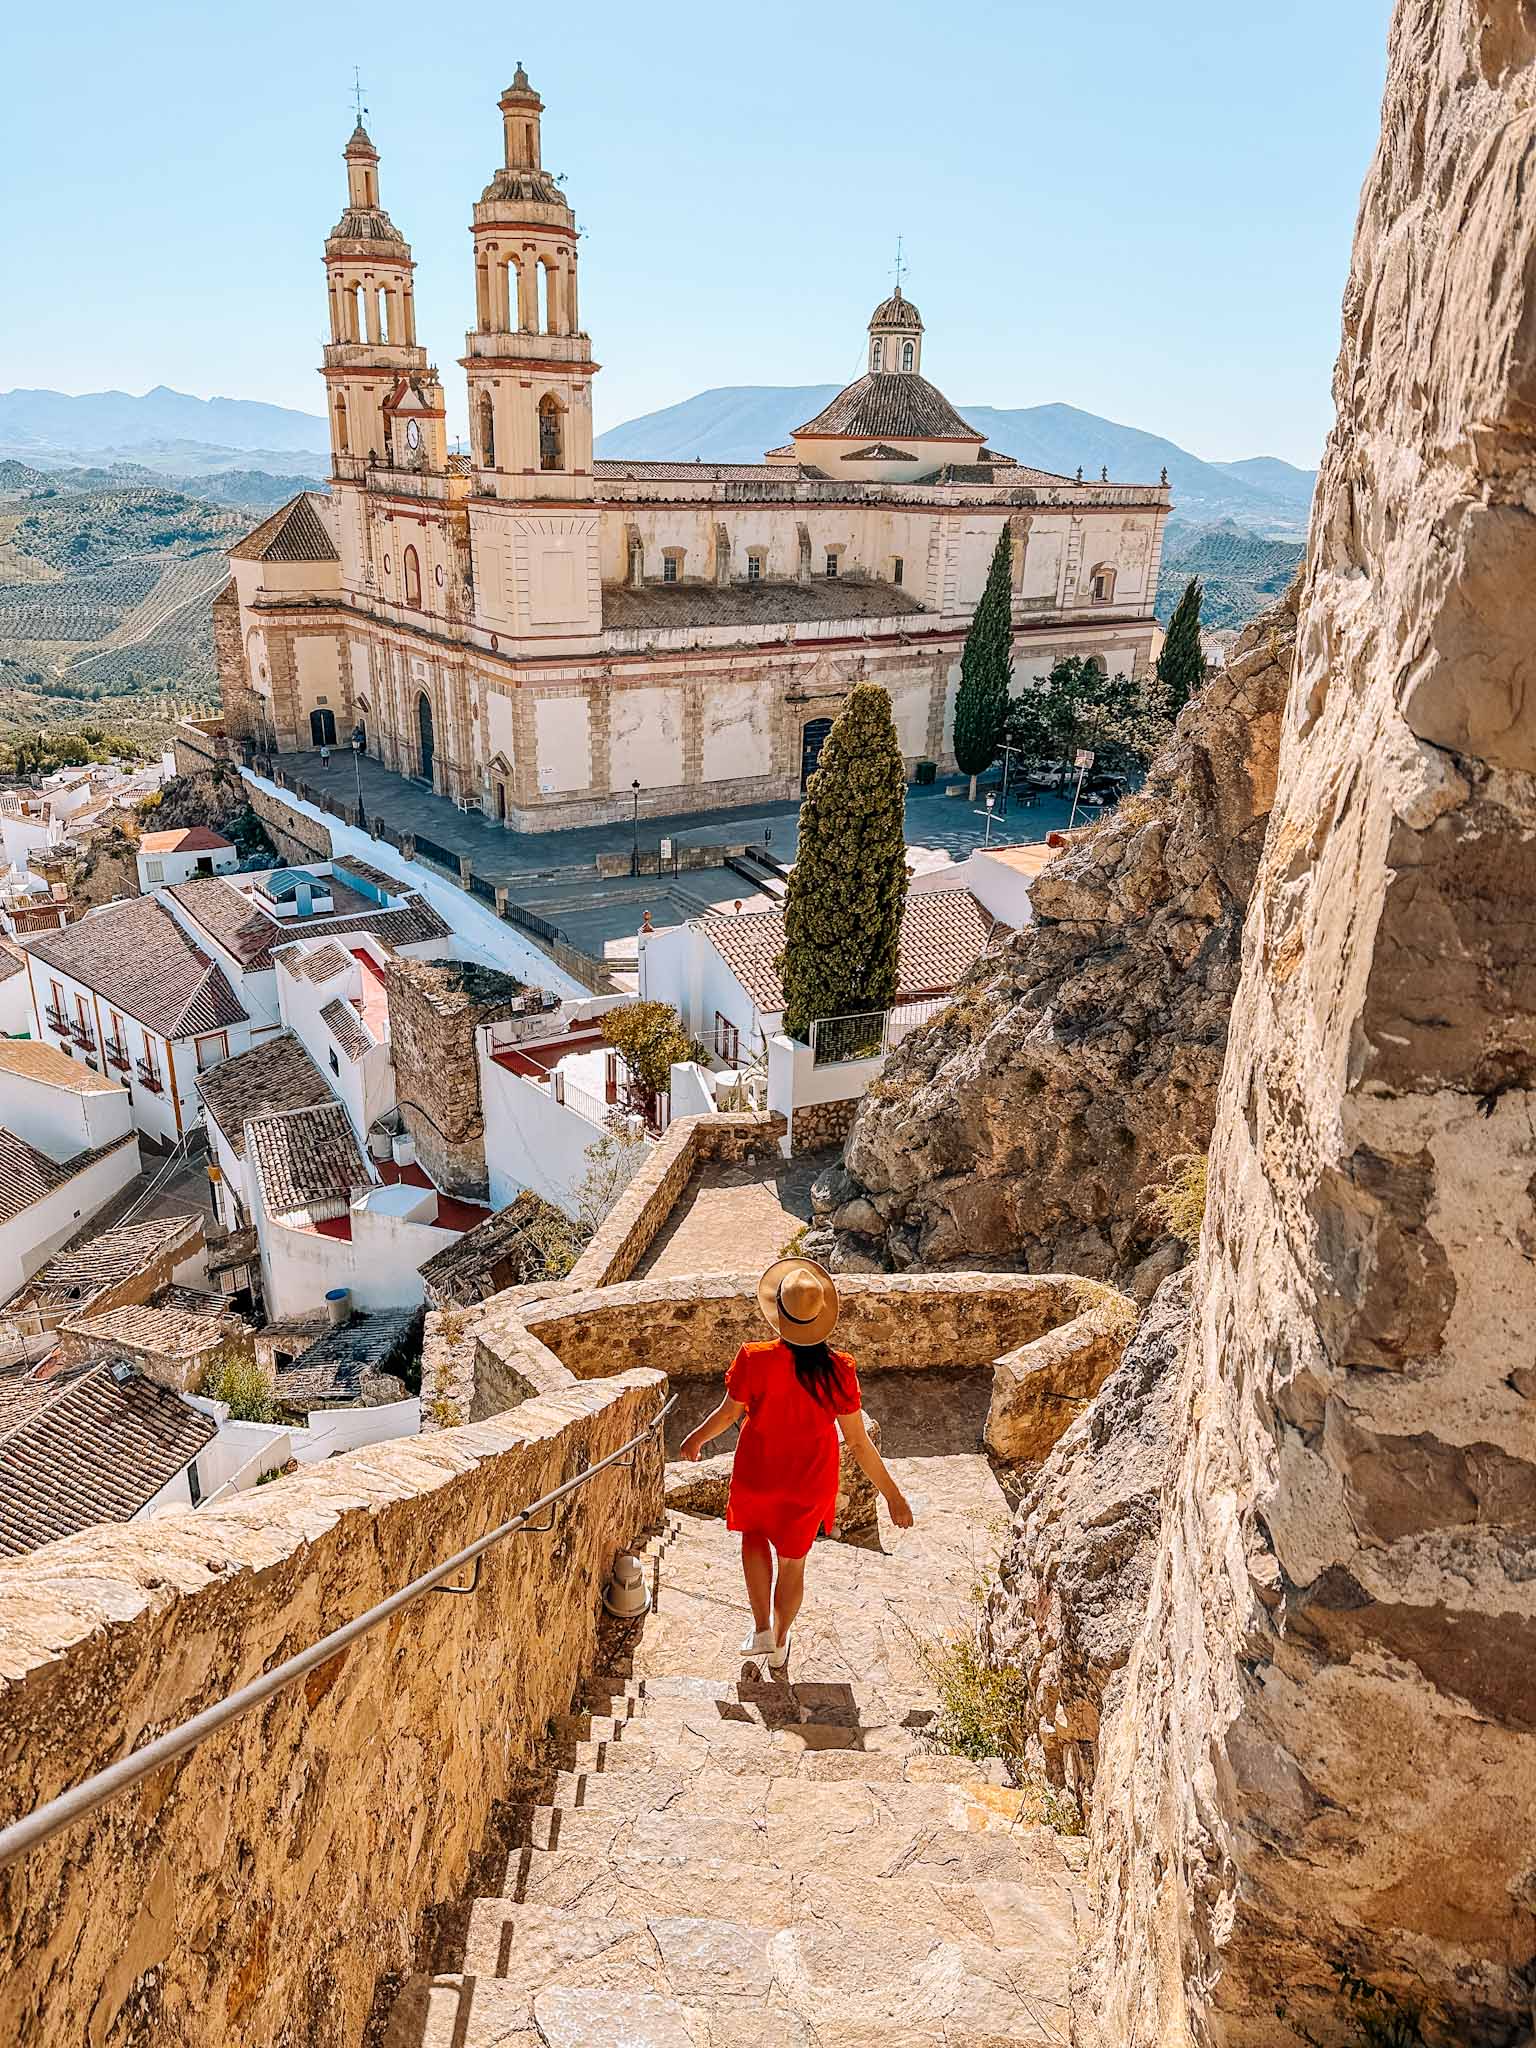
x,y
357,94
900,265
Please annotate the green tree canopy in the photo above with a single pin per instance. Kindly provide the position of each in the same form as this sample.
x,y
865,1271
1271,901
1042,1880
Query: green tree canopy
x,y
981,707
1080,707
650,1039
1181,667
842,914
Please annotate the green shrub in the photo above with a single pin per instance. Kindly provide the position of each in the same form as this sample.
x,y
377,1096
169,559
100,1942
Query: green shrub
x,y
1179,1205
245,1387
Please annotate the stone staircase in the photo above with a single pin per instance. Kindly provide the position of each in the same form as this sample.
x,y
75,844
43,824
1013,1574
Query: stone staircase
x,y
736,1860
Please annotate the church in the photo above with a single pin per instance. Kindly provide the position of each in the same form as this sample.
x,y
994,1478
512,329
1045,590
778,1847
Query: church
x,y
554,639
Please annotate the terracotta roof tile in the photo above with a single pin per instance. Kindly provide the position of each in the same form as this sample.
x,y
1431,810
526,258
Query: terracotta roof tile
x,y
661,606
890,406
98,1451
11,961
613,470
78,1275
348,1029
307,1160
26,1175
139,959
232,920
191,839
294,533
276,1075
32,1059
943,932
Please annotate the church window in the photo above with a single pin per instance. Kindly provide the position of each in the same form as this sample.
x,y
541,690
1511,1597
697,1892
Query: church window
x,y
877,356
908,355
355,318
551,433
898,567
754,568
342,443
487,432
412,578
671,564
1102,583
385,333
832,562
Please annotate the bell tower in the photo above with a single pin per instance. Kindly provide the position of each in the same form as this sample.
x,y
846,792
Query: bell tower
x,y
529,368
372,351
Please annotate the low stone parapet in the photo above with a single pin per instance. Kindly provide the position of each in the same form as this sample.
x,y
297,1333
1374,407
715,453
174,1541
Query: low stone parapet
x,y
259,1888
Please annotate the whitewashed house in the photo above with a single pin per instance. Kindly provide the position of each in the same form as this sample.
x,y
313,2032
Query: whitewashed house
x,y
550,1087
178,855
46,1197
125,991
331,996
15,992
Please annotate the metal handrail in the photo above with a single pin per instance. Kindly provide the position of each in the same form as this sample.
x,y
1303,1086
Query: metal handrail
x,y
22,1836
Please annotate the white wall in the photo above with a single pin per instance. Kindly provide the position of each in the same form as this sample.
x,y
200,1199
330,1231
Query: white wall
x,y
182,867
531,1141
28,1240
796,1082
381,1264
365,1086
62,1121
681,967
15,1006
1000,889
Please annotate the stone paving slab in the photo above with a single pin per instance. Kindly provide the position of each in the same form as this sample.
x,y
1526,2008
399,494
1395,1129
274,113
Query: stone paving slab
x,y
731,1218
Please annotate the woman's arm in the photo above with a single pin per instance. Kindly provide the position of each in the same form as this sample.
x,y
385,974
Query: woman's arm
x,y
874,1467
714,1425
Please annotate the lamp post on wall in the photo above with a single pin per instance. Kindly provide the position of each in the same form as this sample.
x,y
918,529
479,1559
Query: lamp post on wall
x,y
634,844
359,741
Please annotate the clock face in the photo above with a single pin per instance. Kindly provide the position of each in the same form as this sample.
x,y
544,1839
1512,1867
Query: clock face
x,y
412,434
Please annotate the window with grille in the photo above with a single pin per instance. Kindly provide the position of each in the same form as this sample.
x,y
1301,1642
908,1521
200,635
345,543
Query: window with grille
x,y
754,568
669,568
831,563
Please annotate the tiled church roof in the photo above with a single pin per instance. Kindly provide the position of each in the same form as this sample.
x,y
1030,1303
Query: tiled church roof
x,y
294,533
890,406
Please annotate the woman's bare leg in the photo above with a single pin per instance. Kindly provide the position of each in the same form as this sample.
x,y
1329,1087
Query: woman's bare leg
x,y
757,1570
788,1592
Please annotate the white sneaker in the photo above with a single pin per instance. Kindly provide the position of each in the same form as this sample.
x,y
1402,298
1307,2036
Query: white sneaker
x,y
758,1645
778,1656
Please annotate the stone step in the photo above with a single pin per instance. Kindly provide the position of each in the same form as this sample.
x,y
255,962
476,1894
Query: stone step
x,y
813,1827
778,1753
843,1703
734,1726
1042,1904
691,1982
846,1802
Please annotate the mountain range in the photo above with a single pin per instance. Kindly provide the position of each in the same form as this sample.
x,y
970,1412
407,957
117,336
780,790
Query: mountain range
x,y
180,436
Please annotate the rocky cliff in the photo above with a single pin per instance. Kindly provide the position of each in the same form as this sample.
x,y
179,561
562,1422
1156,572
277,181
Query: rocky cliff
x,y
1325,1750
1028,1123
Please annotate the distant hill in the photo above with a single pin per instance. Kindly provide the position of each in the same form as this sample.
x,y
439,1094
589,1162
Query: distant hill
x,y
106,578
53,421
738,422
1240,571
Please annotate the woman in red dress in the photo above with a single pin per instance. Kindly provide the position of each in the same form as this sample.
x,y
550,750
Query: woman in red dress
x,y
791,1396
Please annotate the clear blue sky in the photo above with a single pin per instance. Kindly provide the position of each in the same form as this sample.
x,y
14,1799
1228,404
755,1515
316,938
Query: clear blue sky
x,y
1141,210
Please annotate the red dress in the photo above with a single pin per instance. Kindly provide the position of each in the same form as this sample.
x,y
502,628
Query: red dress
x,y
784,1478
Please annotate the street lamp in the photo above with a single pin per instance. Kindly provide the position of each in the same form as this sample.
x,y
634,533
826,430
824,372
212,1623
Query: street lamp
x,y
991,800
634,846
359,741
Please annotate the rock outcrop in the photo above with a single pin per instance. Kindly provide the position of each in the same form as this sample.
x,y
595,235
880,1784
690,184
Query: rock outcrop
x,y
1072,1585
1027,1124
1325,1750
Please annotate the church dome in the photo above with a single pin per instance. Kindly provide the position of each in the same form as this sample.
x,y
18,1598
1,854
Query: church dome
x,y
896,312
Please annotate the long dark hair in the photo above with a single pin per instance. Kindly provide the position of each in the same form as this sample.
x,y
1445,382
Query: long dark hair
x,y
816,1368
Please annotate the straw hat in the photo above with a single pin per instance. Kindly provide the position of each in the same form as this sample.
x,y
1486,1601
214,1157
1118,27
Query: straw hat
x,y
799,1300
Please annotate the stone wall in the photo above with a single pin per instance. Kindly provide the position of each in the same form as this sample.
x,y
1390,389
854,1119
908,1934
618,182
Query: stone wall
x,y
629,1230
1326,1751
817,1126
297,837
251,1895
201,744
1050,1339
435,1009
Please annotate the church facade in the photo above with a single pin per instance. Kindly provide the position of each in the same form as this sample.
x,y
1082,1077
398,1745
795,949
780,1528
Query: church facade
x,y
553,638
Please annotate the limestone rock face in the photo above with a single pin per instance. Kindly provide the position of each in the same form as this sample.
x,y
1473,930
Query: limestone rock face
x,y
1026,1124
1326,1745
1072,1586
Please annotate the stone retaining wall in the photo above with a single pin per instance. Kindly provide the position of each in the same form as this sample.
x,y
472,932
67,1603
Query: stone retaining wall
x,y
251,1895
817,1126
1051,1339
297,838
623,1240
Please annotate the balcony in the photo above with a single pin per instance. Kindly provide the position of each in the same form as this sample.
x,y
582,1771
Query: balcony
x,y
56,1020
83,1035
150,1078
117,1055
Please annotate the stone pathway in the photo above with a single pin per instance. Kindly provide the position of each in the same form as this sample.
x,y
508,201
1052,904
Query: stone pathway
x,y
732,1219
733,1860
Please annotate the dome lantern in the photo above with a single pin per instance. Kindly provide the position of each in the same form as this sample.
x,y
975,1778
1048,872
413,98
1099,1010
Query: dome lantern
x,y
896,337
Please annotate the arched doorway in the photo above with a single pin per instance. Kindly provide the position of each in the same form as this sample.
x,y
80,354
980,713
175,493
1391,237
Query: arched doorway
x,y
501,803
322,728
812,739
424,730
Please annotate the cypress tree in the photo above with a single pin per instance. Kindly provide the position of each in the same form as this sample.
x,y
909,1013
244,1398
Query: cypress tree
x,y
981,707
1181,666
842,912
